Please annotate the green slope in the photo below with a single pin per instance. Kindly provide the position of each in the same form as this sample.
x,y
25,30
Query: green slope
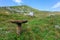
x,y
40,27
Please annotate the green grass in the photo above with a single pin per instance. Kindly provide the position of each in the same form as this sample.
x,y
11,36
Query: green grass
x,y
37,28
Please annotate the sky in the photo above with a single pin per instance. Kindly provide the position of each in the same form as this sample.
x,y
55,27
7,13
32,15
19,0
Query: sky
x,y
45,5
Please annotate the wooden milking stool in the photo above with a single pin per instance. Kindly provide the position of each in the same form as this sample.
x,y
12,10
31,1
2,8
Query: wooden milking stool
x,y
19,23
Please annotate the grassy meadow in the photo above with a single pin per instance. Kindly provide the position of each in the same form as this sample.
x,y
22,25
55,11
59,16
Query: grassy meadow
x,y
40,27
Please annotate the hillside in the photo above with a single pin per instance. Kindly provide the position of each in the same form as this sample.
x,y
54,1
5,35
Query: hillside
x,y
44,25
18,9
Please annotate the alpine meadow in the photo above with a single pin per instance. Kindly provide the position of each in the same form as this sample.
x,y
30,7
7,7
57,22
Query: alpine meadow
x,y
41,25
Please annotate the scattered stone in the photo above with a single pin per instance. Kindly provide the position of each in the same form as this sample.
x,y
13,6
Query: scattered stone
x,y
30,14
51,15
57,26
